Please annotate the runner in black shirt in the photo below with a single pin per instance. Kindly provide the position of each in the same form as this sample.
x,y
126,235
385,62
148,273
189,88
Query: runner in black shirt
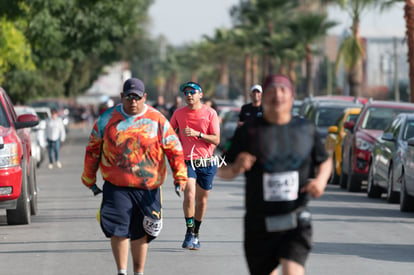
x,y
253,109
278,154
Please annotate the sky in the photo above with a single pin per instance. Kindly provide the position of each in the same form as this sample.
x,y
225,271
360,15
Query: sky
x,y
186,21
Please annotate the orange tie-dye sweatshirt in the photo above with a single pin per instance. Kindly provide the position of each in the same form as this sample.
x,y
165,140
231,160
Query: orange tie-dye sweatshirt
x,y
130,151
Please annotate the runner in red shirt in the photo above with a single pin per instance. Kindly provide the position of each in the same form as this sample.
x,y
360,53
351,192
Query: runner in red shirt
x,y
199,133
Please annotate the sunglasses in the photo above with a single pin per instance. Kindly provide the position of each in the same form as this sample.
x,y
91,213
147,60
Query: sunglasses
x,y
190,92
131,97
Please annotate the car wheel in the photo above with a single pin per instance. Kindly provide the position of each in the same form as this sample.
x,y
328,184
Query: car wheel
x,y
392,196
21,215
343,178
33,189
373,191
353,184
406,201
334,179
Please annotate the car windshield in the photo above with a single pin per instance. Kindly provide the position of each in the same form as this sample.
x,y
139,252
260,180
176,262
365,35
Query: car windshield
x,y
3,117
50,104
352,117
327,116
377,118
409,130
42,115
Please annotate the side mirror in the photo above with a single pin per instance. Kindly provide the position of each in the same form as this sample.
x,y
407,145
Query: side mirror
x,y
349,125
410,141
26,121
387,136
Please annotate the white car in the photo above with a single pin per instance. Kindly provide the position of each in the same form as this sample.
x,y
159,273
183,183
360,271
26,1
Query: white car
x,y
43,113
37,135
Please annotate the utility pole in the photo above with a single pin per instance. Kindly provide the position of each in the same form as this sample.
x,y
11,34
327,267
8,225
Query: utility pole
x,y
396,82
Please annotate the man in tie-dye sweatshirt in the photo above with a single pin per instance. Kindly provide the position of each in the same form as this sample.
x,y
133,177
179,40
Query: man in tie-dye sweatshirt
x,y
128,143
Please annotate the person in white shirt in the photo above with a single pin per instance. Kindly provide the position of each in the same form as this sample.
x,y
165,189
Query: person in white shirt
x,y
55,134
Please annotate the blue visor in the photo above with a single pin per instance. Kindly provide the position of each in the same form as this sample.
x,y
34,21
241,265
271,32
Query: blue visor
x,y
191,85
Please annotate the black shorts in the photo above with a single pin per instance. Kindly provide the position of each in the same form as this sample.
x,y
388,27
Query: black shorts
x,y
130,212
263,250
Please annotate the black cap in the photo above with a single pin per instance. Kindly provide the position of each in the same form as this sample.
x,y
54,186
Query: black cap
x,y
134,86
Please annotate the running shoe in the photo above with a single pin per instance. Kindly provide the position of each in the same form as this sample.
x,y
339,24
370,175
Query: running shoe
x,y
196,243
188,241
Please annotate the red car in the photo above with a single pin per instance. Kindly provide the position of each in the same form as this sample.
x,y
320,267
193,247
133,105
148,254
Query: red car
x,y
18,189
360,138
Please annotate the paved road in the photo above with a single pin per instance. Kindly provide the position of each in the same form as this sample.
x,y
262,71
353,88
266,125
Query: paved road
x,y
353,234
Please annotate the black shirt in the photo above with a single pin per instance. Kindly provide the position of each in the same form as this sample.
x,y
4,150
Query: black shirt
x,y
250,111
295,146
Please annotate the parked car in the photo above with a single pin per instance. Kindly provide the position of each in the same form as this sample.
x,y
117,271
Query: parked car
x,y
385,166
228,125
407,178
43,113
38,146
296,107
325,113
307,102
333,144
57,104
18,187
360,138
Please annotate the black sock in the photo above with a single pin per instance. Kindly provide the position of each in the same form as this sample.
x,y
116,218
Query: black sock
x,y
190,224
197,226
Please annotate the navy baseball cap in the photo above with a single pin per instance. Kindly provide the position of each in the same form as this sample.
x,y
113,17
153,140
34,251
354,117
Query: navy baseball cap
x,y
134,86
192,85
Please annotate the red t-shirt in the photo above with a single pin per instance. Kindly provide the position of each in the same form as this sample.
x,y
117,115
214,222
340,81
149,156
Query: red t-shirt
x,y
204,120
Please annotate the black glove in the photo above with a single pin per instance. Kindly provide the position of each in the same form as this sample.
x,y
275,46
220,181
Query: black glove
x,y
96,190
177,190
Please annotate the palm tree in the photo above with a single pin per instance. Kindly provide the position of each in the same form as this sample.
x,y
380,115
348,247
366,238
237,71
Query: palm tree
x,y
247,36
409,23
221,49
308,29
351,52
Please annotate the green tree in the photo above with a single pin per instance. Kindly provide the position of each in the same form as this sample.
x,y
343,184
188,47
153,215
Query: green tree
x,y
308,29
72,40
351,51
15,52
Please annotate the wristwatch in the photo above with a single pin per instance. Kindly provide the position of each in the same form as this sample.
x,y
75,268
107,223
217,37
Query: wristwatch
x,y
200,135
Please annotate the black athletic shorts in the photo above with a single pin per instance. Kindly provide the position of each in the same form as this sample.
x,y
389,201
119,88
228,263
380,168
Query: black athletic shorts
x,y
263,250
130,212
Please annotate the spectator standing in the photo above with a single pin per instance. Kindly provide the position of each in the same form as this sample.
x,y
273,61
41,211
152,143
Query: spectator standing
x,y
254,108
178,102
55,135
199,133
278,154
128,144
161,106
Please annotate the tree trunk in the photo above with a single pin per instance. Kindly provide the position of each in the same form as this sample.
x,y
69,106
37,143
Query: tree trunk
x,y
356,74
194,76
355,79
409,18
255,69
309,86
171,87
247,76
292,72
222,91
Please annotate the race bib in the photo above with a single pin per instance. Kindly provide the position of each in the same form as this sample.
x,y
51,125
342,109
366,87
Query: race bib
x,y
152,226
280,186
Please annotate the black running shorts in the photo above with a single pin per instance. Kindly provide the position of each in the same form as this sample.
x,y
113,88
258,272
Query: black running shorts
x,y
263,250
